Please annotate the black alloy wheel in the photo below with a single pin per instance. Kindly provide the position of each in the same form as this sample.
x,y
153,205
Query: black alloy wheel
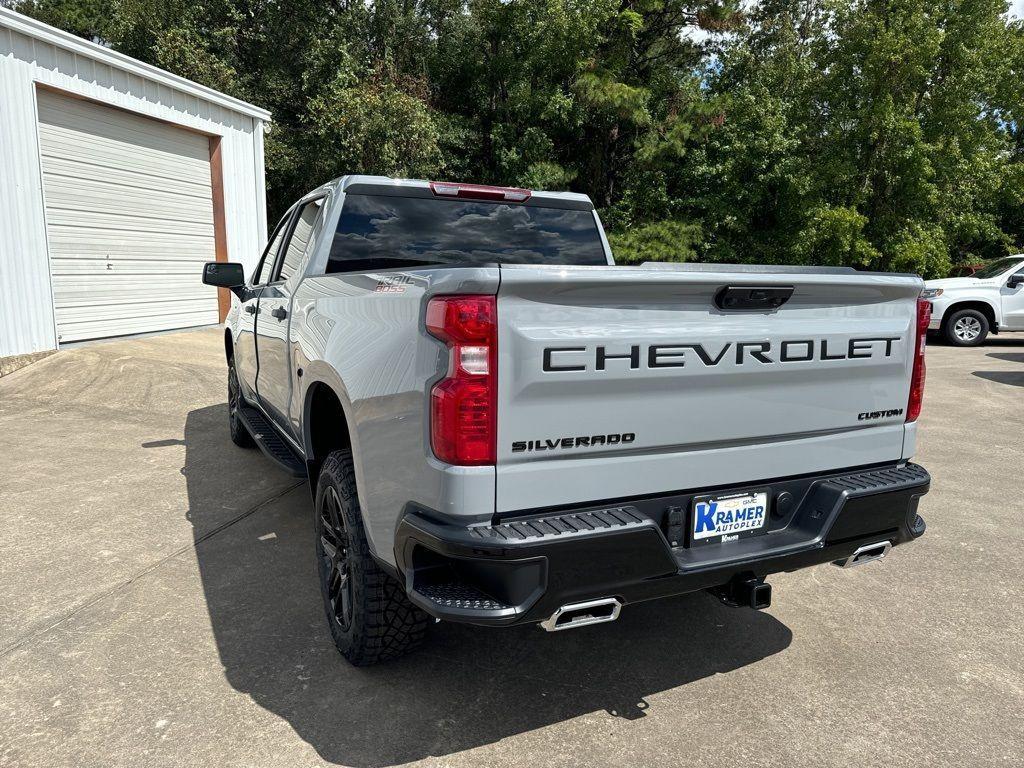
x,y
335,554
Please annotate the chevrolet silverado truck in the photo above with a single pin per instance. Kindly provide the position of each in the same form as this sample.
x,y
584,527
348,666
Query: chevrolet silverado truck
x,y
500,426
966,309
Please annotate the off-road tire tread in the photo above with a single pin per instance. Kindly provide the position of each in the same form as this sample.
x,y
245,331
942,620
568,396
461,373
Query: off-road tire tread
x,y
385,624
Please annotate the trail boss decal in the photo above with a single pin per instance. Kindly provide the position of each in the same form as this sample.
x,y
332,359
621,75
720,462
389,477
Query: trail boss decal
x,y
565,359
392,284
582,441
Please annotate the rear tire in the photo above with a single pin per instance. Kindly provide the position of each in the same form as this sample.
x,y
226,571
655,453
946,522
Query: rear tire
x,y
369,615
966,328
239,432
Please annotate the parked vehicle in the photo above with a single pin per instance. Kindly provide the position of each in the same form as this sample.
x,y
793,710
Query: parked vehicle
x,y
966,309
501,427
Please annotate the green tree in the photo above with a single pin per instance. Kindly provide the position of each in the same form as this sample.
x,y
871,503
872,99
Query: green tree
x,y
86,18
868,133
883,134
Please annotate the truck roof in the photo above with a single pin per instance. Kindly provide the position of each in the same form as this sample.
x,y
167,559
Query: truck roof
x,y
385,185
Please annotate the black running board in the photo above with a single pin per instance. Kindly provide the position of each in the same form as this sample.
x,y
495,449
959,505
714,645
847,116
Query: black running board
x,y
270,442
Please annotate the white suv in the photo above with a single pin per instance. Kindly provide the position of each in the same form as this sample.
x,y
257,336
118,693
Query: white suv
x,y
965,309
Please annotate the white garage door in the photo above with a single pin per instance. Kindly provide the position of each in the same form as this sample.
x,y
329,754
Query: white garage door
x,y
129,217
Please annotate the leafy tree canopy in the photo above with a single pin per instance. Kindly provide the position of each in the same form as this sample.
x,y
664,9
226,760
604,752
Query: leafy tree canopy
x,y
882,134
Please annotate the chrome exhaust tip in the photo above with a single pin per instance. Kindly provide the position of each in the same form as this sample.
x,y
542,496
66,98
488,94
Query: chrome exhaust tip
x,y
866,554
575,615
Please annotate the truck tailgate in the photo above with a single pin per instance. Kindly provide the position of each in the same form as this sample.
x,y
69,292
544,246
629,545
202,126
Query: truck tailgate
x,y
616,381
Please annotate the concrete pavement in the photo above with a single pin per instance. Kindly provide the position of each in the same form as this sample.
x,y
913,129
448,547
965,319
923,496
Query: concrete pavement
x,y
159,607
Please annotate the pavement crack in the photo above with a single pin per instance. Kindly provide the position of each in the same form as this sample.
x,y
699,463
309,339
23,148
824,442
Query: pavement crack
x,y
39,632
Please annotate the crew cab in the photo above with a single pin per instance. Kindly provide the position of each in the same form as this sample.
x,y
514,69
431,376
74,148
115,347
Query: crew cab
x,y
966,309
501,426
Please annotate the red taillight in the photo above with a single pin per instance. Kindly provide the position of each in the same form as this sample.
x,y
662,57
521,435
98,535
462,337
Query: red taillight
x,y
463,405
924,317
480,192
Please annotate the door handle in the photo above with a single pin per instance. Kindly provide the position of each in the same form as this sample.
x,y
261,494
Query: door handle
x,y
250,308
279,312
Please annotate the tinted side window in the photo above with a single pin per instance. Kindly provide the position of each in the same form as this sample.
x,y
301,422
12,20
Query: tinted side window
x,y
305,232
996,268
267,265
380,231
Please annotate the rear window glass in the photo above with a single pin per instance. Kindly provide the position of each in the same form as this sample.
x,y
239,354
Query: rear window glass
x,y
381,231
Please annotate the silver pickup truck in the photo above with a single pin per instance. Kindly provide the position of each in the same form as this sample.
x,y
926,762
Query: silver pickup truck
x,y
500,426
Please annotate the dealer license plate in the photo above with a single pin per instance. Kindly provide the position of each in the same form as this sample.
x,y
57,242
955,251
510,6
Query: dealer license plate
x,y
718,519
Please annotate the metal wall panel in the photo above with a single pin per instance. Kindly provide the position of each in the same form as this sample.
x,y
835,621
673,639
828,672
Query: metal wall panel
x,y
34,57
26,315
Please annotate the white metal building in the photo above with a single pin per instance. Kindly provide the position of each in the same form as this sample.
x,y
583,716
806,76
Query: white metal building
x,y
117,180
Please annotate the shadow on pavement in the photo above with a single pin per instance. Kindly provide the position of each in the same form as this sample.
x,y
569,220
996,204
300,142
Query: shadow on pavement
x,y
468,686
1007,340
1010,357
1012,378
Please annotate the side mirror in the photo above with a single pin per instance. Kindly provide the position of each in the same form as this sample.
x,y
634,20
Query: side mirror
x,y
223,274
227,274
1015,280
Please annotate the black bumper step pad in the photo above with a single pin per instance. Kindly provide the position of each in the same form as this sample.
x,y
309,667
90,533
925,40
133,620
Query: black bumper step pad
x,y
271,443
455,595
561,526
880,480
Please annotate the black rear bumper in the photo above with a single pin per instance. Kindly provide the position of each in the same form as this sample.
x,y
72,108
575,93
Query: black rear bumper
x,y
522,570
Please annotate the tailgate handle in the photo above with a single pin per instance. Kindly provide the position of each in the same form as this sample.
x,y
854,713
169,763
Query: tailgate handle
x,y
734,298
